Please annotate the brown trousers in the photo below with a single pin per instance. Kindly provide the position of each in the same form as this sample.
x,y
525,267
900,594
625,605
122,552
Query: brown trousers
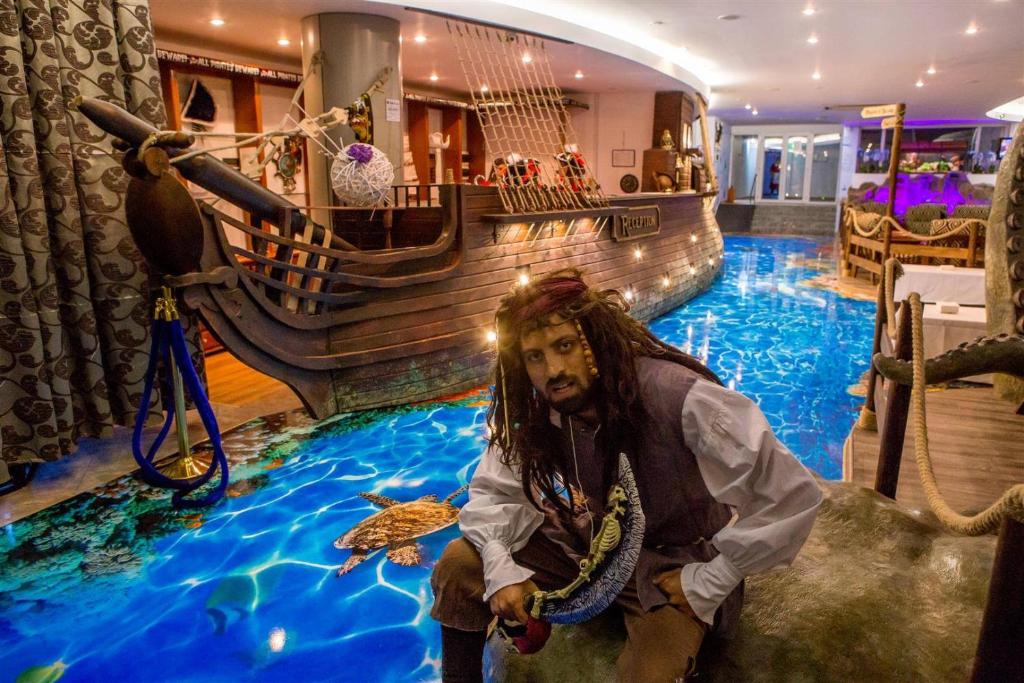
x,y
661,645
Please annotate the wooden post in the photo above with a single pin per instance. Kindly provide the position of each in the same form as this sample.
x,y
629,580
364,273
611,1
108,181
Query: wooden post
x,y
867,419
709,150
451,127
972,243
1000,653
894,421
894,166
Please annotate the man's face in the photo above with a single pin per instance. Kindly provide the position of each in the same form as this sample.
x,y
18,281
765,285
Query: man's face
x,y
554,360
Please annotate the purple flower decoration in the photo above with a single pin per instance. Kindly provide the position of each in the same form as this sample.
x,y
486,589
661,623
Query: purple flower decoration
x,y
360,153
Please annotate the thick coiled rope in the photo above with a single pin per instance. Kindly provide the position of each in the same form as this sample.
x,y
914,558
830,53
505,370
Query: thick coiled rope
x,y
1011,504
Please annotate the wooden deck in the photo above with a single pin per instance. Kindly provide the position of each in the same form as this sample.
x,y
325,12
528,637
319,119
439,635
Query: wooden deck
x,y
976,443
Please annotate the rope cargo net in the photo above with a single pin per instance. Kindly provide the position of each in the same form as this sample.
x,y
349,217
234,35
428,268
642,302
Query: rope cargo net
x,y
528,133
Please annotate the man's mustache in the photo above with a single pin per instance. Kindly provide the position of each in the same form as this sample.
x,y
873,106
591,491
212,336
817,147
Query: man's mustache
x,y
558,380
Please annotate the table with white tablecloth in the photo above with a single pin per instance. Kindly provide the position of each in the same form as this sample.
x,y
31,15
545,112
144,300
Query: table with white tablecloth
x,y
945,331
965,286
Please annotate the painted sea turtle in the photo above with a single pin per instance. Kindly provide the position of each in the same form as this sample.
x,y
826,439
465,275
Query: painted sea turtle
x,y
397,526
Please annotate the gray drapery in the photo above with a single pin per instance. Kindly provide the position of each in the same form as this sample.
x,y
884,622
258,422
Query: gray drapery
x,y
74,291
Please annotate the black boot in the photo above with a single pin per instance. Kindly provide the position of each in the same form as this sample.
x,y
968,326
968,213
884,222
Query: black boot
x,y
20,475
462,655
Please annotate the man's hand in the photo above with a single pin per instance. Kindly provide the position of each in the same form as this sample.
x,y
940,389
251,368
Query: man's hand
x,y
507,603
671,584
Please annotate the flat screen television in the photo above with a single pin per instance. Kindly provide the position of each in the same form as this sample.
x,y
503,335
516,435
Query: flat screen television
x,y
1004,145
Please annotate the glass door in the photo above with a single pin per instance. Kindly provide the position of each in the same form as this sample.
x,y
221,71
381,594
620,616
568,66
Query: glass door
x,y
772,168
796,165
744,166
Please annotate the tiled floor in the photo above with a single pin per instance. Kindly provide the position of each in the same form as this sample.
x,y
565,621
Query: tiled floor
x,y
237,394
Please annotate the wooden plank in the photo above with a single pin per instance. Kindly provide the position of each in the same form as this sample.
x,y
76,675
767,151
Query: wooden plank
x,y
974,439
452,127
419,139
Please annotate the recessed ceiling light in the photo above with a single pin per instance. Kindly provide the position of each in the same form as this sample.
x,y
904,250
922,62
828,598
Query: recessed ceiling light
x,y
808,11
816,75
284,42
728,17
920,83
754,112
578,75
659,22
931,71
971,29
812,39
420,38
747,106
216,22
433,77
527,58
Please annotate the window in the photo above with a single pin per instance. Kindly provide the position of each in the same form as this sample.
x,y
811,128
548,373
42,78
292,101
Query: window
x,y
744,165
825,168
796,165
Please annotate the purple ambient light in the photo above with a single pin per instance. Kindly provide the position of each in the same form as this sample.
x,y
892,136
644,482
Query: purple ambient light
x,y
925,188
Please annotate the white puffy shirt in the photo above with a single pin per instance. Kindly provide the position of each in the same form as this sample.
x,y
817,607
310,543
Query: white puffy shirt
x,y
743,465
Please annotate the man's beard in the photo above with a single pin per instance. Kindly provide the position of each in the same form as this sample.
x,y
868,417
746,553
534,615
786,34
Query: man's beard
x,y
576,403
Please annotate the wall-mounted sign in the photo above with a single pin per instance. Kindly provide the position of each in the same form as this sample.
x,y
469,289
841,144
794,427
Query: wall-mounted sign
x,y
392,110
227,67
641,221
624,158
879,110
890,121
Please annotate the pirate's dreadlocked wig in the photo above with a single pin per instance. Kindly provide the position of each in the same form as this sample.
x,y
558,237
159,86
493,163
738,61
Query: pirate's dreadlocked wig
x,y
519,417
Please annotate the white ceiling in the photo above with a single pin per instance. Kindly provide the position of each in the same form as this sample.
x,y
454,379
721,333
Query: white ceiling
x,y
867,51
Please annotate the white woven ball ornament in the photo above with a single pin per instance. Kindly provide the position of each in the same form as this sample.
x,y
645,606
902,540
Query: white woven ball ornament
x,y
361,175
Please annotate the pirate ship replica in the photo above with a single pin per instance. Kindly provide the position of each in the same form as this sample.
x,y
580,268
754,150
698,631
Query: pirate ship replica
x,y
393,304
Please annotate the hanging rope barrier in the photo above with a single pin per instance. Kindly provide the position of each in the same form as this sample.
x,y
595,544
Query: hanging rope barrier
x,y
169,344
1011,504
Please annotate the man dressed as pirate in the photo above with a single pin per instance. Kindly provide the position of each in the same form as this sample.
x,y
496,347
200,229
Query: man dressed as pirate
x,y
577,383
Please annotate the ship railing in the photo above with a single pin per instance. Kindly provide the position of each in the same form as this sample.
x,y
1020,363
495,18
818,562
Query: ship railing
x,y
314,269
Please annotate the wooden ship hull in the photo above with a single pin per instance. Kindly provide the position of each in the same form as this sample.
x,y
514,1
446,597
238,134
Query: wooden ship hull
x,y
389,305
365,329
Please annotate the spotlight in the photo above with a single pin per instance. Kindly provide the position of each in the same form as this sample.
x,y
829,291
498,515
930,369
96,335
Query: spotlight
x,y
931,71
920,83
527,58
524,279
492,336
420,38
579,75
812,39
216,22
665,282
639,254
284,42
693,237
433,77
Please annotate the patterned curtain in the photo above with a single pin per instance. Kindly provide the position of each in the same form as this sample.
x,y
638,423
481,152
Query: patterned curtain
x,y
74,306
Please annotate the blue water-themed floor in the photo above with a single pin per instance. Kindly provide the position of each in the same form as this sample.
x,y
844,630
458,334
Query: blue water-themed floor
x,y
115,585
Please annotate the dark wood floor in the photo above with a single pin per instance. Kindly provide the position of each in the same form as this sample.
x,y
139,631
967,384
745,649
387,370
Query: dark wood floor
x,y
977,446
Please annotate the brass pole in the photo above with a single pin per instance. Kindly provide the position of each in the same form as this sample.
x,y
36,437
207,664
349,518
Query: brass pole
x,y
185,466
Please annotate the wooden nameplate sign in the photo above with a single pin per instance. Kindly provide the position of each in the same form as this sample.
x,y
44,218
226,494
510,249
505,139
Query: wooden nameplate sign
x,y
640,221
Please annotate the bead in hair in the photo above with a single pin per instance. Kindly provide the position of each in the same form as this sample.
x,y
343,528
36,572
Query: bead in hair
x,y
588,354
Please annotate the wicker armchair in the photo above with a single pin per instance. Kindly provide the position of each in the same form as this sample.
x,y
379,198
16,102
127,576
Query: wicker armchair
x,y
920,216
